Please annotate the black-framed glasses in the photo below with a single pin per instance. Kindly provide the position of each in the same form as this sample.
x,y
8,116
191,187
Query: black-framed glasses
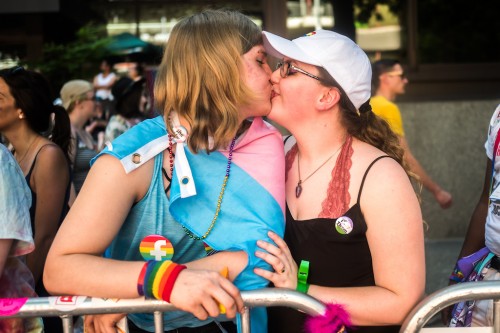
x,y
286,68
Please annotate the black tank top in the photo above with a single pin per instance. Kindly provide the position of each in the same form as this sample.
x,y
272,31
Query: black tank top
x,y
336,259
40,288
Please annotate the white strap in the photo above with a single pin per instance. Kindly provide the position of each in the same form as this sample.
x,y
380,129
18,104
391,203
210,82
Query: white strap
x,y
182,168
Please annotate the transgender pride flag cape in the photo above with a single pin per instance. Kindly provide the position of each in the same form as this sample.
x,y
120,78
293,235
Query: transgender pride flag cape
x,y
254,198
253,201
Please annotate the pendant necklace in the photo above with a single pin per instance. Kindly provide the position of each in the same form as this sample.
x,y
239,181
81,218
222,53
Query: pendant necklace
x,y
27,151
298,188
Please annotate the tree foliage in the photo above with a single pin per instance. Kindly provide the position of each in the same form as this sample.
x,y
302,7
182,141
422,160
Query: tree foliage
x,y
78,59
367,8
458,31
345,15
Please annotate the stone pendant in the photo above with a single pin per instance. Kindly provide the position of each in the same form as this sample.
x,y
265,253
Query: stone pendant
x,y
298,189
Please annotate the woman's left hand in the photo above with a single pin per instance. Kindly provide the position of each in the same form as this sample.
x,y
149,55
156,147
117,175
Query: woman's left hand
x,y
280,258
105,323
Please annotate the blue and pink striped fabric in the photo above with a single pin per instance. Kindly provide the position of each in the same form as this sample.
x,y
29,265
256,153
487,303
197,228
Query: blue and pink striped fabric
x,y
253,201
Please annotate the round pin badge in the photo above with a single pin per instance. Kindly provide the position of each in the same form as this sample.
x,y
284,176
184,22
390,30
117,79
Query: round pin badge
x,y
156,247
180,133
343,225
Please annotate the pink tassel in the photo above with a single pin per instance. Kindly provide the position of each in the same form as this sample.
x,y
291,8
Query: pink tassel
x,y
335,320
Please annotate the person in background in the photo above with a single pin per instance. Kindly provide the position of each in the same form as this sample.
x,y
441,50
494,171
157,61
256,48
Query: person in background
x,y
131,101
135,71
352,215
103,82
79,101
16,240
213,88
39,133
482,241
388,81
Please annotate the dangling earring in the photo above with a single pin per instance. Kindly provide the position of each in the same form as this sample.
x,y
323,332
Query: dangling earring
x,y
21,116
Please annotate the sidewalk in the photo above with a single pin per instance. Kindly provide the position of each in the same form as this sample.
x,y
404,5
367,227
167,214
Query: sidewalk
x,y
440,258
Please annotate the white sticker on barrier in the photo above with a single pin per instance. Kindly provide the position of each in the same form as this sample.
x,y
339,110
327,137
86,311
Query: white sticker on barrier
x,y
67,303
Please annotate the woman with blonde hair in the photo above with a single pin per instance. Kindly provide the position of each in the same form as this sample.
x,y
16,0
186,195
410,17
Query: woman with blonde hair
x,y
175,190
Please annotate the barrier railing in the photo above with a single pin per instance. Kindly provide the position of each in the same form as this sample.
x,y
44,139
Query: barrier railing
x,y
67,307
437,301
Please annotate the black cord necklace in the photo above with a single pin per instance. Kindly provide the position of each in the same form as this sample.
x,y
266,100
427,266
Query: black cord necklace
x,y
298,188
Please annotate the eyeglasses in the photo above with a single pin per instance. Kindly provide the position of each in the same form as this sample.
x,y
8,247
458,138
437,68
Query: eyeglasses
x,y
286,68
402,75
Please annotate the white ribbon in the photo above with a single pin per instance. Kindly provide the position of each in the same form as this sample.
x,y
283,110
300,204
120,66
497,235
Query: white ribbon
x,y
182,168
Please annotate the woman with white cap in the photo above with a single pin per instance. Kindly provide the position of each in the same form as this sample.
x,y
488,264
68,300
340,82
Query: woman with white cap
x,y
354,230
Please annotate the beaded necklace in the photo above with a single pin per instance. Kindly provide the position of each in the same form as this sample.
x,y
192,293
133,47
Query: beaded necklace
x,y
221,194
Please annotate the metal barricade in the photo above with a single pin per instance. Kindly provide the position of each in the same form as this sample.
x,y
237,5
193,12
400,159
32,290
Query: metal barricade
x,y
67,307
437,301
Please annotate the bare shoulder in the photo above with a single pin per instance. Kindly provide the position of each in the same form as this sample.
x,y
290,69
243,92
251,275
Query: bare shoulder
x,y
108,169
385,177
51,156
366,154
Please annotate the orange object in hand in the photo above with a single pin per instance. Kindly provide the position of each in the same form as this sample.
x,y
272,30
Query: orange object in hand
x,y
224,272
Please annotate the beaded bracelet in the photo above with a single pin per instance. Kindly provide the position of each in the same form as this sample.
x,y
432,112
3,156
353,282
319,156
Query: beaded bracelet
x,y
157,279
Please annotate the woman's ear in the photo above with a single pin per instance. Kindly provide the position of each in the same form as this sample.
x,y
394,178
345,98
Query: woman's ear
x,y
329,98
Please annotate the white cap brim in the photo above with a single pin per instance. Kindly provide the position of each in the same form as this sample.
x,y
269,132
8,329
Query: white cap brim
x,y
280,47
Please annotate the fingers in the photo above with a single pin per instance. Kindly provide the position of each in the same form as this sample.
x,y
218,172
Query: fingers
x,y
235,303
206,290
279,241
88,324
276,260
278,256
102,323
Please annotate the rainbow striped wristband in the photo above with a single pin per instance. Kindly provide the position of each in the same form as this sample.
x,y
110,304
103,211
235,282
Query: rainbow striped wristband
x,y
157,279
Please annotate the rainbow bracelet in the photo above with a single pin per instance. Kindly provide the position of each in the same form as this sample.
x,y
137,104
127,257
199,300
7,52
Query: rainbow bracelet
x,y
457,275
157,279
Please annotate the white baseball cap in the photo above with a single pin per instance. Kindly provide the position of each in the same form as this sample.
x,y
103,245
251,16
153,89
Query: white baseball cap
x,y
343,59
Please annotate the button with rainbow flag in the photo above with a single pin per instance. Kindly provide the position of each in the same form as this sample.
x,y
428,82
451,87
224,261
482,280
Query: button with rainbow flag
x,y
156,247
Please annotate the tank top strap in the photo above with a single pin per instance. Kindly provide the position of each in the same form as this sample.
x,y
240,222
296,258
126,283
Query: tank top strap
x,y
28,175
366,173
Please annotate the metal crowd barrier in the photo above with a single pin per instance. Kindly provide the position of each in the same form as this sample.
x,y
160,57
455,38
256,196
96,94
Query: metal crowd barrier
x,y
67,307
437,301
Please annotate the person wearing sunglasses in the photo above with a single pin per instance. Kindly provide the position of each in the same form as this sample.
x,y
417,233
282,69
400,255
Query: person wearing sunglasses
x,y
39,133
389,81
354,229
79,100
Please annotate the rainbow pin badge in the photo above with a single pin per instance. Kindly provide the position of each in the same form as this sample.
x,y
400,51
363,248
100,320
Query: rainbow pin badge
x,y
156,247
312,33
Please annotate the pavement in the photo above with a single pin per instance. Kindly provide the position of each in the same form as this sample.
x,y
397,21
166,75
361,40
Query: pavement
x,y
440,258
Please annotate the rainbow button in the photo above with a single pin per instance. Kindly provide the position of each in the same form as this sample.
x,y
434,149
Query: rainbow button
x,y
156,247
